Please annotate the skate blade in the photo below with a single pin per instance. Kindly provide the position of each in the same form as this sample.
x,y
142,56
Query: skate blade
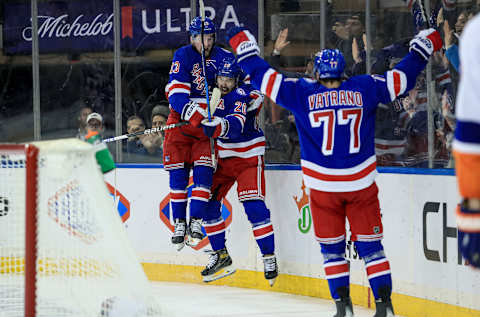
x,y
179,246
191,242
226,271
349,313
271,281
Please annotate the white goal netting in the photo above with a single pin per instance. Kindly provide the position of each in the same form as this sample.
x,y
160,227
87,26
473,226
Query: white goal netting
x,y
85,264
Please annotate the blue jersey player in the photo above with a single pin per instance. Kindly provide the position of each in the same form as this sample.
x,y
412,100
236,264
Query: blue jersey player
x,y
241,149
187,147
335,120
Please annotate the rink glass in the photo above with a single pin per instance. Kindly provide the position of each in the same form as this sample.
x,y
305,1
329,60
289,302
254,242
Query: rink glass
x,y
76,68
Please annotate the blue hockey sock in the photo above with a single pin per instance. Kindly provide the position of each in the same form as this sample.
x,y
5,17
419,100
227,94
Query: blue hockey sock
x,y
202,182
376,265
178,192
214,225
259,216
337,268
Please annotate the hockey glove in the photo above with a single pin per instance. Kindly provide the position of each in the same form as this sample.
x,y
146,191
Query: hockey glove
x,y
257,101
194,113
426,42
468,223
243,42
216,128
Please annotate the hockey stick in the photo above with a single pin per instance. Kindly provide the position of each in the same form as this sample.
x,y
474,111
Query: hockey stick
x,y
204,71
215,100
424,13
147,131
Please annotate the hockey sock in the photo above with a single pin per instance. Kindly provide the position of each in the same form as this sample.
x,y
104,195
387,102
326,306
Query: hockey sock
x,y
259,216
178,192
376,265
214,225
202,181
337,269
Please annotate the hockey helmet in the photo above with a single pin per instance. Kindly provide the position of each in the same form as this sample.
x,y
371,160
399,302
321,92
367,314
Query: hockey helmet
x,y
229,68
196,26
329,63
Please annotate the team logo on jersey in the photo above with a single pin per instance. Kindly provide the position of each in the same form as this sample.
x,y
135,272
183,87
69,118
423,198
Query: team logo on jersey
x,y
303,206
121,203
198,78
241,92
164,214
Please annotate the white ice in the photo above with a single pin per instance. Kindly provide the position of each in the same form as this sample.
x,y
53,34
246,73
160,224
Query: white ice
x,y
204,300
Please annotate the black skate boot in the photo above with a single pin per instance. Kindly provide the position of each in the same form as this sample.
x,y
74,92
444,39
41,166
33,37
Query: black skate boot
x,y
194,232
344,303
178,238
219,265
383,305
270,268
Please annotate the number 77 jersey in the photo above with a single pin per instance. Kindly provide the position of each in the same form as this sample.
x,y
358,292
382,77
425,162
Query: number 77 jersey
x,y
336,127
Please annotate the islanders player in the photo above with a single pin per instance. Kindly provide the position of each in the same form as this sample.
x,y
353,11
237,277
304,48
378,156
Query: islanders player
x,y
335,120
241,147
187,147
467,144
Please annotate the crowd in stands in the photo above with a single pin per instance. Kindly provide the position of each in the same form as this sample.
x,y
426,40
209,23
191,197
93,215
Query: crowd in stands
x,y
401,137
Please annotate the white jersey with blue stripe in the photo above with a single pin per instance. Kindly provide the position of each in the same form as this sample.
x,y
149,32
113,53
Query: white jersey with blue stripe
x,y
245,139
336,127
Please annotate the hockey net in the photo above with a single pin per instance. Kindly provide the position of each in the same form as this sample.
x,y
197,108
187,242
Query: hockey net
x,y
63,248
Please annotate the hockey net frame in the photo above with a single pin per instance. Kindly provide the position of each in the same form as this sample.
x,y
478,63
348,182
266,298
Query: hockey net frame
x,y
140,301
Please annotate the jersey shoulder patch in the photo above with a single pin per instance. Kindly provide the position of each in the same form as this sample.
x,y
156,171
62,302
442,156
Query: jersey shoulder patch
x,y
241,92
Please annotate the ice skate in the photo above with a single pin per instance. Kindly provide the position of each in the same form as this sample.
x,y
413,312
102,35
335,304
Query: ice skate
x,y
178,237
344,303
383,305
270,268
194,232
219,265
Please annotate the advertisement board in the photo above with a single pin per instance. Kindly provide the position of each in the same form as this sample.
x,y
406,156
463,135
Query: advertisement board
x,y
87,26
420,240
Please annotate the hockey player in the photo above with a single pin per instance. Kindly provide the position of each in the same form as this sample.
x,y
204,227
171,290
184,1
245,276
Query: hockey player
x,y
188,147
335,120
241,147
467,144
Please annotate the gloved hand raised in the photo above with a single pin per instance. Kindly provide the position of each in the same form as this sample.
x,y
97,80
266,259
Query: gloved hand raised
x,y
243,42
426,42
194,113
216,128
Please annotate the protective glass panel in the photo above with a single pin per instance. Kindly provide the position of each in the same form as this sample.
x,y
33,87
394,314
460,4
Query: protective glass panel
x,y
16,115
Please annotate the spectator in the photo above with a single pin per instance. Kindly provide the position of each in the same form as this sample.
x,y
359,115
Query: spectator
x,y
145,147
95,130
82,122
95,123
355,30
159,116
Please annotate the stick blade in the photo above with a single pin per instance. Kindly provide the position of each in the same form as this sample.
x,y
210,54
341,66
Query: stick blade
x,y
215,100
202,9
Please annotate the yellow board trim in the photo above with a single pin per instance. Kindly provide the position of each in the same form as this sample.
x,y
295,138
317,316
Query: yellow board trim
x,y
405,305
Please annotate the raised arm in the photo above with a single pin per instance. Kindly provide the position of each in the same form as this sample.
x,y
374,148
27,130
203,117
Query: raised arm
x,y
403,76
280,89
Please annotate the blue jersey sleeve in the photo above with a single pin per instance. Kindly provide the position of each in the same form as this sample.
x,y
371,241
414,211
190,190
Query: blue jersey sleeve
x,y
280,89
400,79
178,87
